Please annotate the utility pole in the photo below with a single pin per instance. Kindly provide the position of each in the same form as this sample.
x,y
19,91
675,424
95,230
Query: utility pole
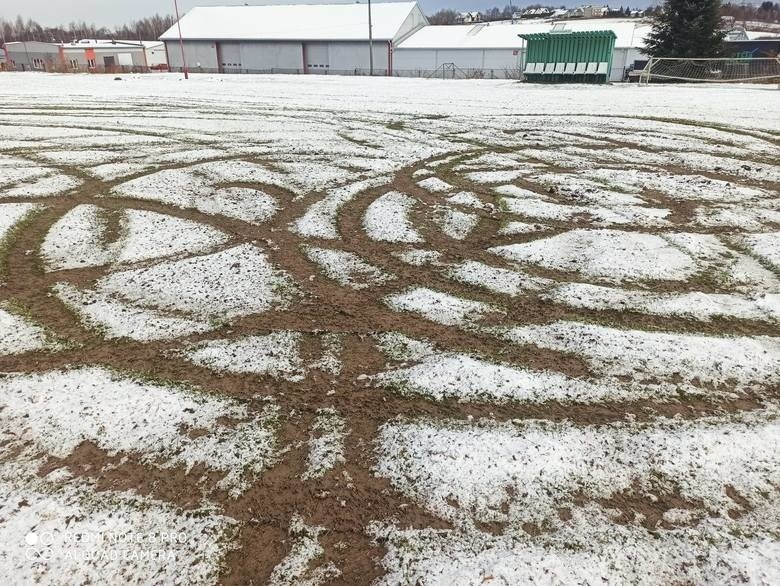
x,y
181,41
370,43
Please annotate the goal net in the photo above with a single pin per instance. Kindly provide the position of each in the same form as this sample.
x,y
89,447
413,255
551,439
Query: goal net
x,y
713,70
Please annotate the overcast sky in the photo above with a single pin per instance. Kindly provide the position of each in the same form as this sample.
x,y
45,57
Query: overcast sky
x,y
114,12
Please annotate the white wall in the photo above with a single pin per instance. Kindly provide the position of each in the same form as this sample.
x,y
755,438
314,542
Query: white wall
x,y
203,52
495,61
346,57
267,56
156,56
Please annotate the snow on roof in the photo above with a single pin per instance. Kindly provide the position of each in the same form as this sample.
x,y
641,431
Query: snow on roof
x,y
758,35
109,44
630,33
293,22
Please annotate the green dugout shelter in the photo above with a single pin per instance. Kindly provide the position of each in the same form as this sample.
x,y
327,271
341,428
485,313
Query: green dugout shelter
x,y
568,56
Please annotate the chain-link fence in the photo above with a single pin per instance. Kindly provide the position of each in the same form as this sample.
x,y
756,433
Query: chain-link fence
x,y
446,71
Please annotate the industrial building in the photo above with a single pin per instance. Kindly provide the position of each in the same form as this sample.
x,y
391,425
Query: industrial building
x,y
496,50
333,39
318,38
110,55
32,56
87,55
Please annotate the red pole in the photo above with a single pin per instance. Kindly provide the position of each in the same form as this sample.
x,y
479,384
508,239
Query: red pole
x,y
181,41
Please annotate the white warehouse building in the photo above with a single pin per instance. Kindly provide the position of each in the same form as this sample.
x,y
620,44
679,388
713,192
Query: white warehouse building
x,y
299,38
494,50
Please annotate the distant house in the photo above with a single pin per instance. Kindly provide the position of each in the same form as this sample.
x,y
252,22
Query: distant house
x,y
594,11
541,12
468,17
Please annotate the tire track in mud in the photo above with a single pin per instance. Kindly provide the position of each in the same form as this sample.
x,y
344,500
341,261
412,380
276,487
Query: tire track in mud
x,y
349,496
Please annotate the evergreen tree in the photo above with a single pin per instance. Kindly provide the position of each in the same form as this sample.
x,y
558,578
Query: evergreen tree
x,y
686,28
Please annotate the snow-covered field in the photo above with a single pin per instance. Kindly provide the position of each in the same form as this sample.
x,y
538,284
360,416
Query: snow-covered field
x,y
315,330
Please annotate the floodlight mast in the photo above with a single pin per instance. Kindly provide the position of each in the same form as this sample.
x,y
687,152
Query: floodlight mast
x,y
181,41
370,43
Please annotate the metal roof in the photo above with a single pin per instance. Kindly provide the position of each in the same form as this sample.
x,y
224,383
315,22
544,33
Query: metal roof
x,y
629,33
293,22
569,33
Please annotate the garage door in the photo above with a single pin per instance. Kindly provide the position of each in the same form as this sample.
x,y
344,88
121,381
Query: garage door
x,y
229,57
317,57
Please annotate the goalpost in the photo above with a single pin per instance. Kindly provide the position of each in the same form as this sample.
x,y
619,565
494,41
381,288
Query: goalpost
x,y
728,70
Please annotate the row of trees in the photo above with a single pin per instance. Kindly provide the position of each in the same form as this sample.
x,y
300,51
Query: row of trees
x,y
687,28
766,11
146,29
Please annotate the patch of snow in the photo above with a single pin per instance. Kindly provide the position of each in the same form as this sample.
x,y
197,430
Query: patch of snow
x,y
117,319
745,360
434,184
19,334
466,472
455,223
439,307
319,221
402,348
468,199
114,171
205,187
765,246
122,414
326,443
330,360
78,239
276,355
346,268
680,187
387,219
295,569
56,532
467,379
223,285
47,186
513,228
496,176
697,305
495,279
417,257
591,549
611,255
151,235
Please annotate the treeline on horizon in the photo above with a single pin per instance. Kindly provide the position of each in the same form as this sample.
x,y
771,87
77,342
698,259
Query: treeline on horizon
x,y
145,29
150,28
766,11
